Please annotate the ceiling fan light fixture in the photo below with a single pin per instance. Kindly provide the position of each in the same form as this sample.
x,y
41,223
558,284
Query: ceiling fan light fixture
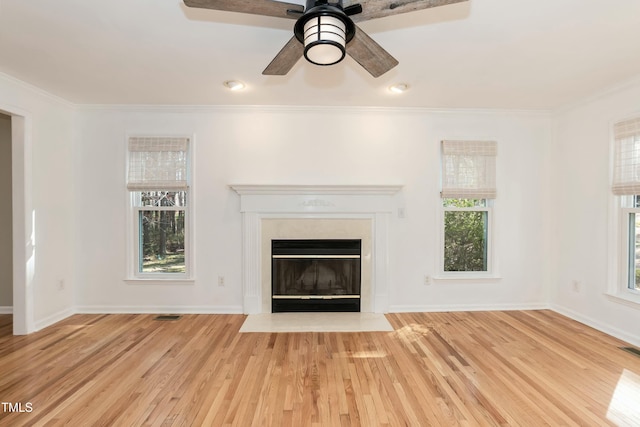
x,y
325,31
324,40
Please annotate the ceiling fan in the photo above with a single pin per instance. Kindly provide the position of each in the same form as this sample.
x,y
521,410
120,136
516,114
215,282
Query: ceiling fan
x,y
325,30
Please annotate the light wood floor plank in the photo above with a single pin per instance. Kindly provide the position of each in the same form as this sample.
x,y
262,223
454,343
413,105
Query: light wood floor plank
x,y
515,368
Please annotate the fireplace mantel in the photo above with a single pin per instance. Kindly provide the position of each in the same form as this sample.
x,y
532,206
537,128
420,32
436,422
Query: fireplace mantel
x,y
277,189
372,204
316,198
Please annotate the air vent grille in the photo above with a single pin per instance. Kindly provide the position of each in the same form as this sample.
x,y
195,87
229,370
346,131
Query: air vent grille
x,y
168,317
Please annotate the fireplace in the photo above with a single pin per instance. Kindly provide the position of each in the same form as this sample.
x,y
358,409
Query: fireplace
x,y
316,275
273,212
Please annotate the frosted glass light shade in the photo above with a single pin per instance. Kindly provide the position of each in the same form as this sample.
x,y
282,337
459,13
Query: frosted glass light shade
x,y
324,40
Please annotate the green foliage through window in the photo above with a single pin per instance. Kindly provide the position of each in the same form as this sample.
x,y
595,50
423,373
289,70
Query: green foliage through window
x,y
465,235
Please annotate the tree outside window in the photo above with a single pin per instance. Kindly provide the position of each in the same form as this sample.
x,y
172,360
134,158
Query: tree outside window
x,y
466,229
162,232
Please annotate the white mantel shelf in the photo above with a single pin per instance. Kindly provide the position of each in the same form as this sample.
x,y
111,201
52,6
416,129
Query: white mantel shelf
x,y
283,189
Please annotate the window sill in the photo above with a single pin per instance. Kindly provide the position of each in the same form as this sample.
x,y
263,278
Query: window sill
x,y
628,298
159,281
466,277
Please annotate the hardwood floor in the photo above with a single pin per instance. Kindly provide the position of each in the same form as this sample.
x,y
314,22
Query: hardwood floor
x,y
520,368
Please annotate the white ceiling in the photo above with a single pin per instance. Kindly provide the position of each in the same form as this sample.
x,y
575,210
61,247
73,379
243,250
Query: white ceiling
x,y
519,54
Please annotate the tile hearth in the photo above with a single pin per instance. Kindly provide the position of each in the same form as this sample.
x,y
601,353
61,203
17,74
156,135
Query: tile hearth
x,y
316,322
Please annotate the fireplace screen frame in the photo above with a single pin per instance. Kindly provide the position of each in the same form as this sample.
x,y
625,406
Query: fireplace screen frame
x,y
327,275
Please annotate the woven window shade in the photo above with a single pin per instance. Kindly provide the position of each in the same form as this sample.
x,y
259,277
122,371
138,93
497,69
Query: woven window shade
x,y
157,163
626,161
469,169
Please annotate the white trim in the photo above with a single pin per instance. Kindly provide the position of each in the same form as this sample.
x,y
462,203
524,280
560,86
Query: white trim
x,y
292,109
465,307
630,298
37,90
237,309
132,309
54,318
276,189
23,219
611,90
6,309
596,324
159,280
466,276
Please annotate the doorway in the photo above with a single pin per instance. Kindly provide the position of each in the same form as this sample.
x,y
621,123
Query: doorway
x,y
6,217
19,203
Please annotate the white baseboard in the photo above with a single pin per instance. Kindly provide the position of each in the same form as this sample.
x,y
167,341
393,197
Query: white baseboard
x,y
6,310
596,324
53,319
603,327
110,309
465,307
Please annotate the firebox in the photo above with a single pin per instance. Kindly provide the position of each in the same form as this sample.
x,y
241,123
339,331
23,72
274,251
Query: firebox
x,y
315,275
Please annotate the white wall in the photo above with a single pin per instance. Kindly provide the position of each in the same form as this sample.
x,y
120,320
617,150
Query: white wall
x,y
49,203
549,233
6,247
582,209
312,146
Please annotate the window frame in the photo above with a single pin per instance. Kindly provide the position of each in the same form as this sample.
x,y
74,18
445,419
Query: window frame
x,y
619,280
134,207
490,273
618,289
478,183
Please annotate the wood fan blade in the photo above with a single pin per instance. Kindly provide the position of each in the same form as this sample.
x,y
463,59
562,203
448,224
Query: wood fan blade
x,y
255,7
370,54
372,9
285,59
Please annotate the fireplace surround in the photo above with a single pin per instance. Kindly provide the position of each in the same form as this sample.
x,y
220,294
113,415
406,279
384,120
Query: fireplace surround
x,y
273,212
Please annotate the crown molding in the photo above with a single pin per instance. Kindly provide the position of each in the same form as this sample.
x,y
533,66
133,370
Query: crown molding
x,y
36,90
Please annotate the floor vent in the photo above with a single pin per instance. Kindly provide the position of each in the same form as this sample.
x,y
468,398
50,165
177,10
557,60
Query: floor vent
x,y
168,317
631,350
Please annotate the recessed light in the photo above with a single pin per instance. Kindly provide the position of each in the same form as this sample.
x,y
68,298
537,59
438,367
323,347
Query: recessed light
x,y
399,88
234,85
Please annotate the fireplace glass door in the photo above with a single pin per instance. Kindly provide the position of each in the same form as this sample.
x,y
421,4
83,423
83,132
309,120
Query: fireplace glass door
x,y
316,275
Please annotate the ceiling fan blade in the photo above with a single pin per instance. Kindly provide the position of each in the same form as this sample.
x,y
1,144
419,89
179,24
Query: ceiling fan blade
x,y
256,7
370,54
285,59
380,8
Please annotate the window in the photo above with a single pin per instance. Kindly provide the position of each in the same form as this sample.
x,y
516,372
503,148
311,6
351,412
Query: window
x,y
466,232
632,217
626,188
158,185
468,190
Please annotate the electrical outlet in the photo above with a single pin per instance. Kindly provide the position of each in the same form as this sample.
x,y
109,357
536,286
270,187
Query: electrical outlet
x,y
220,280
61,284
576,285
427,280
